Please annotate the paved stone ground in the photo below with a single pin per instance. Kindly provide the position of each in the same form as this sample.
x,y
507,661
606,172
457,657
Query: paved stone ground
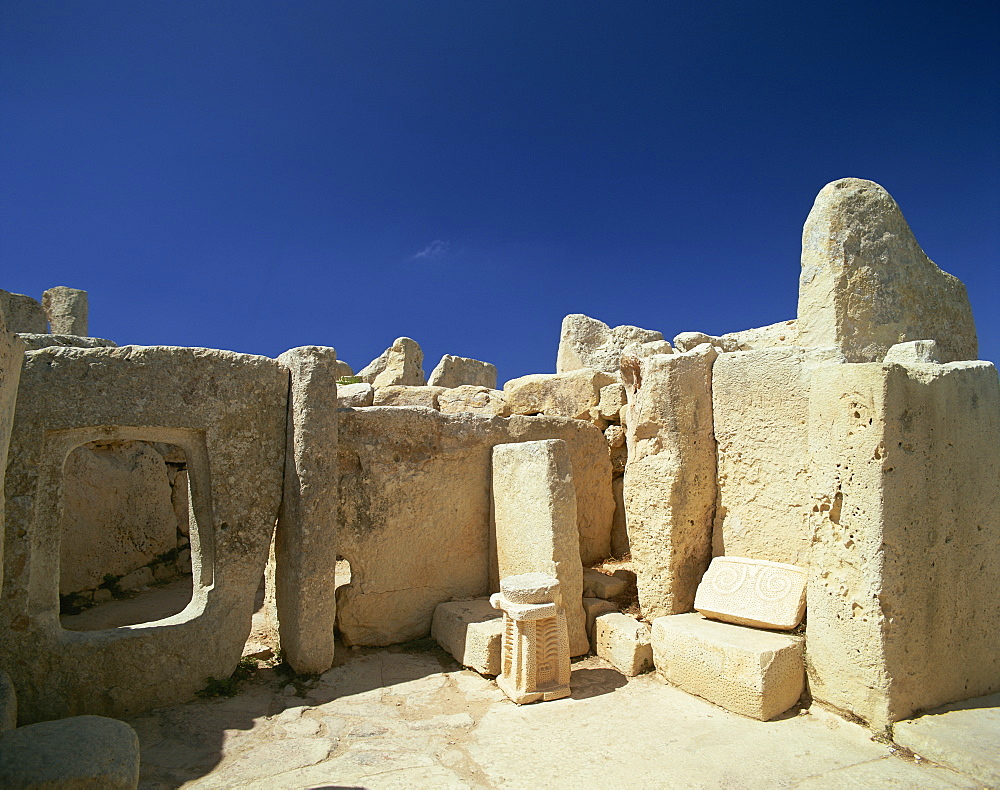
x,y
409,717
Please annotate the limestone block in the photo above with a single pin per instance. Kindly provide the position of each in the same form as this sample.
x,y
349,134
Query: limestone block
x,y
475,400
11,352
456,371
77,752
611,401
670,486
906,521
623,641
305,539
343,369
355,395
783,333
140,577
117,513
66,310
643,350
760,402
22,313
401,363
8,703
471,632
594,608
400,395
588,343
415,511
759,674
866,284
620,545
227,412
685,341
753,592
571,394
916,351
534,506
33,341
601,585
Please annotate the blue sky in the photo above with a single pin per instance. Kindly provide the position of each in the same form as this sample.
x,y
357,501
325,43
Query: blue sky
x,y
256,176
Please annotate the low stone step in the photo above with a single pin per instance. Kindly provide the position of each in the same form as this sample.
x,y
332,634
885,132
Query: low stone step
x,y
624,642
600,585
472,632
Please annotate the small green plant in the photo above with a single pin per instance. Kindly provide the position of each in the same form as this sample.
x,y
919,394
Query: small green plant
x,y
349,380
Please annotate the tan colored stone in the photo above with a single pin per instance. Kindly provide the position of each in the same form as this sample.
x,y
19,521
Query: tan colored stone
x,y
906,521
117,515
400,395
472,632
399,364
305,539
670,487
755,673
866,285
227,411
623,641
475,400
916,351
611,401
534,509
752,592
588,343
140,577
620,545
22,313
343,369
594,608
602,585
66,310
33,341
650,349
458,371
78,752
685,341
573,394
355,395
783,333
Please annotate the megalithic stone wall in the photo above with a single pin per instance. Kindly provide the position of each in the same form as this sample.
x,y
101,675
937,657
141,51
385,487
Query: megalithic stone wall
x,y
11,351
902,612
305,547
670,486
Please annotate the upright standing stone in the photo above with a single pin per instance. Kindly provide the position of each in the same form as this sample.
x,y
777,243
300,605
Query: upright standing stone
x,y
456,371
534,505
22,313
866,285
66,309
401,363
585,342
11,351
534,663
306,535
670,484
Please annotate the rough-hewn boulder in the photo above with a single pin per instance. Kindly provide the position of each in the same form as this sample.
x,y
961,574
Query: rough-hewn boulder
x,y
456,371
401,363
585,342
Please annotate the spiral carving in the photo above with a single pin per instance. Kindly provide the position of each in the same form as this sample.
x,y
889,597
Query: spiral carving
x,y
773,584
729,579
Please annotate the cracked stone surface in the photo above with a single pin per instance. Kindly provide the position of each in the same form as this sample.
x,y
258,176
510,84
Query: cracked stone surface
x,y
410,717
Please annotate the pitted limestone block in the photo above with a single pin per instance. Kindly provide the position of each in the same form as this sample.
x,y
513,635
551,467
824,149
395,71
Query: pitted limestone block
x,y
401,395
22,313
601,585
355,395
585,342
594,608
401,363
74,753
66,310
458,371
529,588
759,674
624,642
8,703
472,632
612,399
783,333
474,400
915,351
753,592
571,394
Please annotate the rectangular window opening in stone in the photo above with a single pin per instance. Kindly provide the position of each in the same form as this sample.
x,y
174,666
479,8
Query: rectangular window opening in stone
x,y
125,546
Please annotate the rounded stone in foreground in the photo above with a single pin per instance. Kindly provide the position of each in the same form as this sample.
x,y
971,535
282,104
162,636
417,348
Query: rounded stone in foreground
x,y
78,752
529,588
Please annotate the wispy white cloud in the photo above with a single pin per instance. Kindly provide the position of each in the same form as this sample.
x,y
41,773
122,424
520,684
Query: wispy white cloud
x,y
435,249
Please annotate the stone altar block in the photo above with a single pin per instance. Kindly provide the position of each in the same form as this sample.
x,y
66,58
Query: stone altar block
x,y
758,593
535,656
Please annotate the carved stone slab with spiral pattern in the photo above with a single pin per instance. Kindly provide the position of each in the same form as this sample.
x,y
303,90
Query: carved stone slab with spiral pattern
x,y
753,592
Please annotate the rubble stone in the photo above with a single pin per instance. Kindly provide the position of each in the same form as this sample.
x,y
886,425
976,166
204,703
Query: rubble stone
x,y
573,394
474,400
588,343
594,608
400,395
457,371
915,352
355,395
601,585
401,363
624,642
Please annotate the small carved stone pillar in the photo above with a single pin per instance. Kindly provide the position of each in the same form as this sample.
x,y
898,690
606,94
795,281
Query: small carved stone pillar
x,y
535,657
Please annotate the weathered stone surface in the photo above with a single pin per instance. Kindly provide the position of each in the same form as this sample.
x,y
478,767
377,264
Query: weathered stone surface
x,y
401,363
456,371
140,577
475,400
906,521
8,703
624,642
534,507
227,411
33,342
66,310
22,313
670,486
75,753
611,401
343,369
400,395
415,511
355,395
866,285
783,333
305,541
601,585
620,545
471,631
117,515
573,394
652,348
685,341
756,673
594,608
752,592
11,352
588,343
760,404
915,351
